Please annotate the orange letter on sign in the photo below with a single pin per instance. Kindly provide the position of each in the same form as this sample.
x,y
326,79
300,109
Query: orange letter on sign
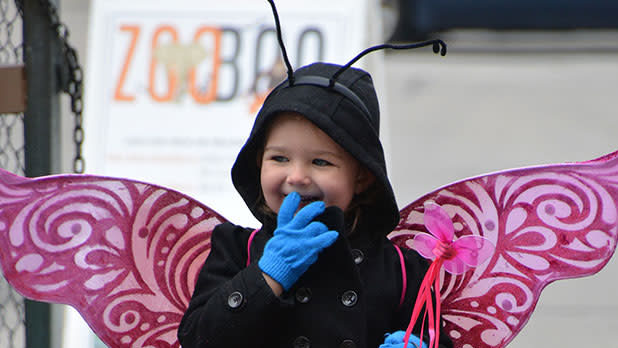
x,y
211,94
119,95
172,75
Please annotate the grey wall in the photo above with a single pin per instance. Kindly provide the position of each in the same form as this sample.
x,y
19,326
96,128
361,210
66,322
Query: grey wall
x,y
503,101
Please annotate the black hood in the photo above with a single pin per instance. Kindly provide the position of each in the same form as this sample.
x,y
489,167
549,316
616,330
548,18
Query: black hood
x,y
351,122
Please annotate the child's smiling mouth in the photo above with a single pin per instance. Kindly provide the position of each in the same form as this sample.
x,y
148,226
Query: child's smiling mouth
x,y
307,199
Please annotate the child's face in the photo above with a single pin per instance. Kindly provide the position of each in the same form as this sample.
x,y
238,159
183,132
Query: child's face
x,y
298,156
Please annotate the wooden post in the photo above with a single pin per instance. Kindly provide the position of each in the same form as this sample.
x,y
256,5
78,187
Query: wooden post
x,y
12,89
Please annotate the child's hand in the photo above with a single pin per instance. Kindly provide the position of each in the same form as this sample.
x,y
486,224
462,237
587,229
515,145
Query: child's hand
x,y
395,340
296,241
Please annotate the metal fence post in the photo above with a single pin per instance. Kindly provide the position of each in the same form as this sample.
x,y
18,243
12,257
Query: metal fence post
x,y
41,130
42,116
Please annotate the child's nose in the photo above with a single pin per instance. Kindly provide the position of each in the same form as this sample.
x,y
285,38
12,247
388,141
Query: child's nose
x,y
298,175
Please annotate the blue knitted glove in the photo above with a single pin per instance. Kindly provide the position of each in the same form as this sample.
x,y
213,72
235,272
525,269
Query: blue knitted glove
x,y
395,340
296,242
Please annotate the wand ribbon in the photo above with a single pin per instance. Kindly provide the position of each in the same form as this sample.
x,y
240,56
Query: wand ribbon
x,y
456,256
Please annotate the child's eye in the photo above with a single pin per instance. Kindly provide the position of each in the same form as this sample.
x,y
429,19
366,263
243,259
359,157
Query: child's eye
x,y
320,162
279,158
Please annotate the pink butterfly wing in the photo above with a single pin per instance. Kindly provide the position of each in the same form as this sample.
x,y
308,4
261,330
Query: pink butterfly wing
x,y
125,254
547,223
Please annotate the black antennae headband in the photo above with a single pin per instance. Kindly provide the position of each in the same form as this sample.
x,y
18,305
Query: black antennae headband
x,y
438,45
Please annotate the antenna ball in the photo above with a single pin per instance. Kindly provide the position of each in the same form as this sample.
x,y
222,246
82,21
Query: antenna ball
x,y
436,47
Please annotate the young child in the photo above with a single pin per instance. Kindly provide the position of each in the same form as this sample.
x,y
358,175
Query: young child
x,y
309,278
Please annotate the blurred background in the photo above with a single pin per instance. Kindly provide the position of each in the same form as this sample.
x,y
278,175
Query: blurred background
x,y
524,83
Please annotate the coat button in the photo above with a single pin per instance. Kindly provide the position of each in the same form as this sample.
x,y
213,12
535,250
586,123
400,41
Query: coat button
x,y
303,295
235,300
349,298
347,344
302,342
357,256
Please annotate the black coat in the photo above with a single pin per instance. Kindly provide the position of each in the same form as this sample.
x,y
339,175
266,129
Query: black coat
x,y
336,303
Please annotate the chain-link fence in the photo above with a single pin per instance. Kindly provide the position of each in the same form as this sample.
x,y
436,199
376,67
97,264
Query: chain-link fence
x,y
12,326
11,125
32,34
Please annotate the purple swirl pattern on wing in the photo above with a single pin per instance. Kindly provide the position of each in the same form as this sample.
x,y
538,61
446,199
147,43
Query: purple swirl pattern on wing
x,y
125,254
548,223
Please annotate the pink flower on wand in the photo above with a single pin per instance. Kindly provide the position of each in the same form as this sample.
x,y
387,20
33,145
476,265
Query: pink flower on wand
x,y
459,255
456,256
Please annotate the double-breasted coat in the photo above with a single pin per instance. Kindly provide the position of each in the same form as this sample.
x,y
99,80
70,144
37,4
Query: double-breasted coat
x,y
349,298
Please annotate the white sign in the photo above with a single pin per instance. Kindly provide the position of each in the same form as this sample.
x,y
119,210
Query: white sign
x,y
172,87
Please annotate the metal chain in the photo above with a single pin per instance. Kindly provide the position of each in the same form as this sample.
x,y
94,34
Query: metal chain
x,y
74,85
